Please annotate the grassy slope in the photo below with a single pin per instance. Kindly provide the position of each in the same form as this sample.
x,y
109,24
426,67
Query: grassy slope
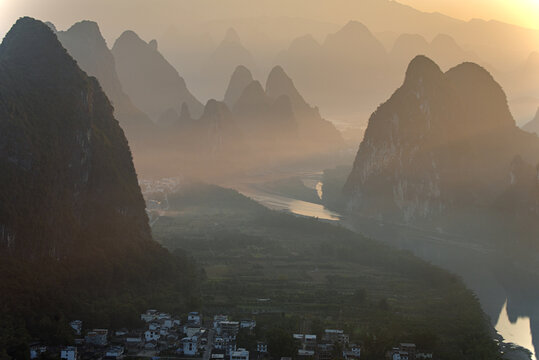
x,y
322,273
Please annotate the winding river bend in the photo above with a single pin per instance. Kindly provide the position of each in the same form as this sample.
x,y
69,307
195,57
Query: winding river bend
x,y
508,296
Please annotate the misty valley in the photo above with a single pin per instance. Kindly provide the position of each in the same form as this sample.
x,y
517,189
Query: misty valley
x,y
264,185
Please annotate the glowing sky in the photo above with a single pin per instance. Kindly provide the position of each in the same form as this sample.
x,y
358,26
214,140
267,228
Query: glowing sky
x,y
155,13
519,12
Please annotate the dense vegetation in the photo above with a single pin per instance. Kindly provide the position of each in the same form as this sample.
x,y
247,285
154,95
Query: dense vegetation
x,y
105,288
315,274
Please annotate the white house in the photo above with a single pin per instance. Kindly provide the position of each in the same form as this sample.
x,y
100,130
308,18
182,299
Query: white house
x,y
77,326
190,345
217,319
150,315
248,324
261,347
37,350
97,337
152,335
68,353
240,354
115,352
194,318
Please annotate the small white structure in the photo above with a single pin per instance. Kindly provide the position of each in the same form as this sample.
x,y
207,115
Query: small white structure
x,y
190,345
230,328
114,352
261,347
77,326
248,324
68,353
150,315
37,350
240,354
97,337
194,318
152,335
217,319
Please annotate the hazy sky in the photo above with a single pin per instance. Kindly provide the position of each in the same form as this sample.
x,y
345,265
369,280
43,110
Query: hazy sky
x,y
156,15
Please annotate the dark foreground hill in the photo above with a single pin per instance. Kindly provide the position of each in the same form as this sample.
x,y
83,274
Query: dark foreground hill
x,y
74,235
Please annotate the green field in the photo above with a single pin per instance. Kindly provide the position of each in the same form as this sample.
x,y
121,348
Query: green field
x,y
304,274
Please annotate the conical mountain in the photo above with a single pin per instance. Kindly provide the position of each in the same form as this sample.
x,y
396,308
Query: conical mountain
x,y
440,147
149,80
445,50
279,83
408,46
252,99
232,36
60,146
73,227
311,126
217,132
85,43
357,44
240,79
223,61
264,120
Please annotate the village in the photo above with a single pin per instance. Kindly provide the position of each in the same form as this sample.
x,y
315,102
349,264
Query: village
x,y
168,337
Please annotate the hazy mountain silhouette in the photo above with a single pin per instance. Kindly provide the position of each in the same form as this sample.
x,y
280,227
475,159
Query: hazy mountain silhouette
x,y
266,121
533,125
218,134
225,58
408,46
313,129
240,79
523,85
151,82
346,74
438,149
85,43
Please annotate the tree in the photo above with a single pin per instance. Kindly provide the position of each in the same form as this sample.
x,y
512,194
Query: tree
x,y
281,343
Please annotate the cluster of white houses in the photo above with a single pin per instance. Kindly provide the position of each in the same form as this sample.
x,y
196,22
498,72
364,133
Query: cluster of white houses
x,y
166,335
310,347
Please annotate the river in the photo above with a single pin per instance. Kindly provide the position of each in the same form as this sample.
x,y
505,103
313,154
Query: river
x,y
491,278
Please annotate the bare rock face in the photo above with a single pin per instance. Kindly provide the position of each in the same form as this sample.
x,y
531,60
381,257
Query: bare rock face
x,y
442,143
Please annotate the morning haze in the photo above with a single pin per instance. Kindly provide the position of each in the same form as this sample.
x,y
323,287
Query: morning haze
x,y
269,179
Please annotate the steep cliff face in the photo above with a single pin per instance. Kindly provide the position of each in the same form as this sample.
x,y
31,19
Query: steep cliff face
x,y
66,166
149,79
442,143
74,235
86,45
